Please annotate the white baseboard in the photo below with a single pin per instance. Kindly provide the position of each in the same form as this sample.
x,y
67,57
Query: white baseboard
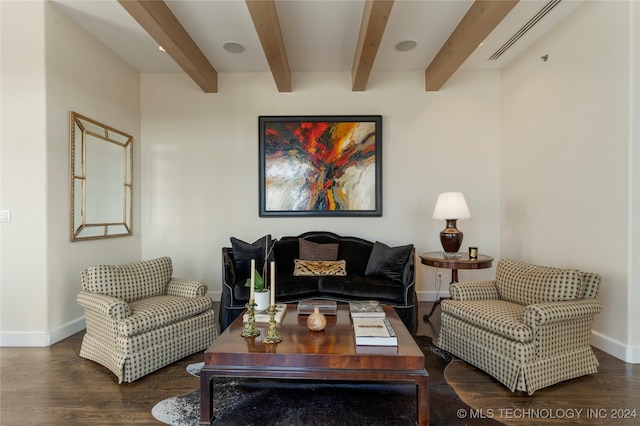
x,y
615,348
41,339
29,338
430,296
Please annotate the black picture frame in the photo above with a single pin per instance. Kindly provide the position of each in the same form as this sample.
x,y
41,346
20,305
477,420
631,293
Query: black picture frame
x,y
327,166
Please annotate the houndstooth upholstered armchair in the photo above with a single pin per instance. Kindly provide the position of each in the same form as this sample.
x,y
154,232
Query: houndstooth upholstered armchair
x,y
139,319
529,328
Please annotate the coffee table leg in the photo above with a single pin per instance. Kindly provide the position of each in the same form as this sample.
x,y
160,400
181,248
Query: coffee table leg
x,y
423,400
206,397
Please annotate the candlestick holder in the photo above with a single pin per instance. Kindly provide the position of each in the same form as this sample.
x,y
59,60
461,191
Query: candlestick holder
x,y
250,329
273,336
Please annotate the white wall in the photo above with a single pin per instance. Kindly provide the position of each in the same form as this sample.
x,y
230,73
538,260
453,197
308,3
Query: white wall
x,y
200,162
565,169
23,169
50,66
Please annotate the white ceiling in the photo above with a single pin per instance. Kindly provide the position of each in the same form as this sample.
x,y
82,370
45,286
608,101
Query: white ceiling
x,y
320,35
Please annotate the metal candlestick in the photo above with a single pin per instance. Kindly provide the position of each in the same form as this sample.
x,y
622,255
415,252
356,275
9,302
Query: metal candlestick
x,y
250,329
273,336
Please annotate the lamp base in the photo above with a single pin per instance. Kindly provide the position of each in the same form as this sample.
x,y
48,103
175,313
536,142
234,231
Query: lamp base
x,y
451,239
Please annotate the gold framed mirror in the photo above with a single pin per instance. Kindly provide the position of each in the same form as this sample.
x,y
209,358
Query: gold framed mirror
x,y
101,180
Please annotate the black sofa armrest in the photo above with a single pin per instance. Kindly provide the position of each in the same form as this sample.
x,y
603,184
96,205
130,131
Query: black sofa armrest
x,y
230,307
228,267
408,312
409,279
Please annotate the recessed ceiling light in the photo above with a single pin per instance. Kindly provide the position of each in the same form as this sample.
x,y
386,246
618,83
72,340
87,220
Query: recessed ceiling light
x,y
233,47
160,48
405,46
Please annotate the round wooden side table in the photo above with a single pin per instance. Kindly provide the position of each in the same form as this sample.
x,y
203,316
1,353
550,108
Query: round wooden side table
x,y
462,261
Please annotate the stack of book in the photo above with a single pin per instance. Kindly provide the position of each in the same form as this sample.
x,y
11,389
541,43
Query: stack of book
x,y
263,316
374,332
371,327
366,309
326,307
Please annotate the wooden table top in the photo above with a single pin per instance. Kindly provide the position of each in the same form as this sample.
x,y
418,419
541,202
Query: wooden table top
x,y
438,260
332,348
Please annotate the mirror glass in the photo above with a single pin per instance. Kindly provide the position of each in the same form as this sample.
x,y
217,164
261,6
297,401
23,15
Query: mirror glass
x,y
101,180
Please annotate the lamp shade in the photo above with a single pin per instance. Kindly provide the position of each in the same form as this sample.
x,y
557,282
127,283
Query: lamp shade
x,y
451,205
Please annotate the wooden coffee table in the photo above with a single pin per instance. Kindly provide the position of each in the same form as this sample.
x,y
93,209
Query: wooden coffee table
x,y
326,355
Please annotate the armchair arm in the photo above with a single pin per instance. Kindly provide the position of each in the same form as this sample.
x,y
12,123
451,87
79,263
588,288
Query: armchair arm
x,y
474,290
103,305
552,312
185,288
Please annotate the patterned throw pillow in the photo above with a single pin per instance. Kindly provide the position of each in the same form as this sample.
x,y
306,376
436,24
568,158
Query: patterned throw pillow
x,y
314,251
315,268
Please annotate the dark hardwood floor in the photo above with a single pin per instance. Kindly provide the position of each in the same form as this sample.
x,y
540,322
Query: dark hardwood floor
x,y
54,386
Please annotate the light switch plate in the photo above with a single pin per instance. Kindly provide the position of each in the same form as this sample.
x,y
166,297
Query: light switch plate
x,y
5,215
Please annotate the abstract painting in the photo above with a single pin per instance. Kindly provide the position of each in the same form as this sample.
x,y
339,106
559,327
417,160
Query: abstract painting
x,y
321,165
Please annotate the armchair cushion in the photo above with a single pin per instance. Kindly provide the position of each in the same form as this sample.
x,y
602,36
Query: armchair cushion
x,y
526,284
155,312
131,281
501,317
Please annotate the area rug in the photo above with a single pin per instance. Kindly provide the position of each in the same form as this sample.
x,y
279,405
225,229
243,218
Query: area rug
x,y
269,402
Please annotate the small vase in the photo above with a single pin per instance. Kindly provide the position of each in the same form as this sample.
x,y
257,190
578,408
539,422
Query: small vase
x,y
262,299
316,321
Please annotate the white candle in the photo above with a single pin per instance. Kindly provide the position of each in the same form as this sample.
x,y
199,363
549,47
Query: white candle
x,y
253,279
273,283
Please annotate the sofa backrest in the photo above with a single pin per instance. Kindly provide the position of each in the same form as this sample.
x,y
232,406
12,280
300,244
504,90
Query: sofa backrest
x,y
526,284
130,281
355,251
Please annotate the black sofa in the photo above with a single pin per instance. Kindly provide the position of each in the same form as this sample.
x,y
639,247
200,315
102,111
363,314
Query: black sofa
x,y
374,271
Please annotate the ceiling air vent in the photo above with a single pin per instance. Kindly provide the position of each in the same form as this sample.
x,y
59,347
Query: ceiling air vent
x,y
525,28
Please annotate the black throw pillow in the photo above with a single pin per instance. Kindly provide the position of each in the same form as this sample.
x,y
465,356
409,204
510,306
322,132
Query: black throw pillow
x,y
243,252
388,262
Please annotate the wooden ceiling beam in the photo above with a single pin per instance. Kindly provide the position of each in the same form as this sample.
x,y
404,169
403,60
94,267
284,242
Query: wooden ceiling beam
x,y
157,19
265,19
481,18
374,21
